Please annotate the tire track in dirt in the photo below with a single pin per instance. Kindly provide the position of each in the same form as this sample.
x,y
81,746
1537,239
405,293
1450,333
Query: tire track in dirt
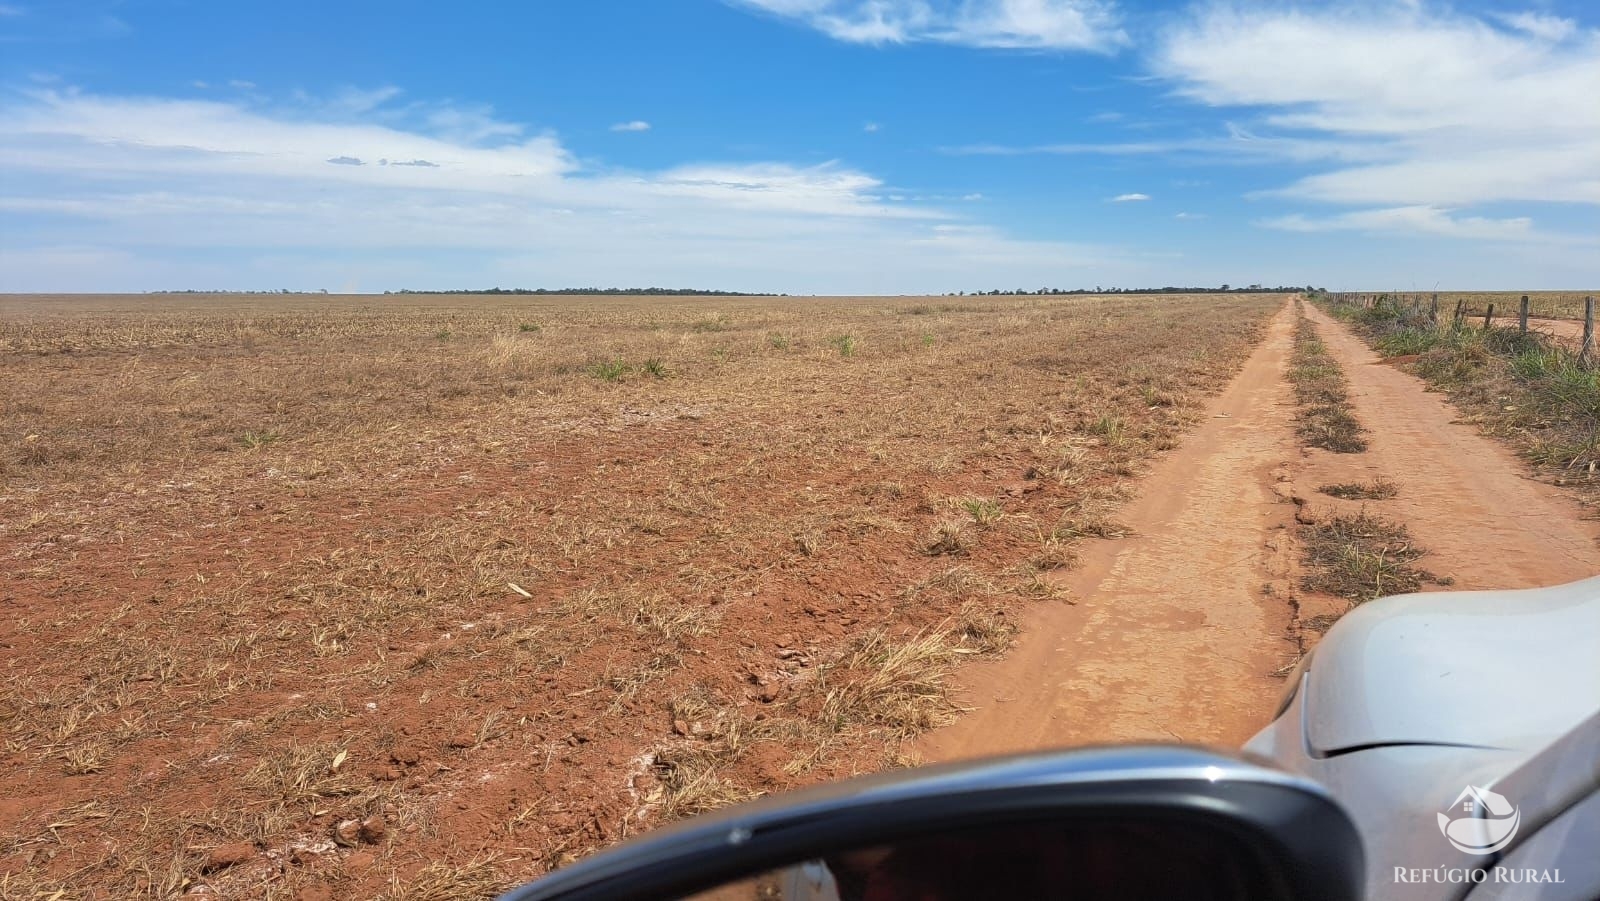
x,y
1177,629
1463,496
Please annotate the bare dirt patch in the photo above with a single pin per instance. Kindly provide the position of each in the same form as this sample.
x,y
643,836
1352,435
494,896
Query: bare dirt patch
x,y
416,598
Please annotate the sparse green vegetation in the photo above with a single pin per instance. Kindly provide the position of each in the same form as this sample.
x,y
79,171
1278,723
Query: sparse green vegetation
x,y
720,323
1109,427
610,370
984,511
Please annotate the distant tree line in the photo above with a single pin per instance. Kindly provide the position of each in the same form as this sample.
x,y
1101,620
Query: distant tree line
x,y
651,292
1169,289
703,292
269,291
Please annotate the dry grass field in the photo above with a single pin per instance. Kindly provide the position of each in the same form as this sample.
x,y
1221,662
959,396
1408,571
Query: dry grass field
x,y
1542,304
416,597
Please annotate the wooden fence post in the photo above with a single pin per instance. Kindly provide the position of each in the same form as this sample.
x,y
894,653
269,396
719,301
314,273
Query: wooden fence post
x,y
1522,316
1488,317
1460,317
1587,349
1433,312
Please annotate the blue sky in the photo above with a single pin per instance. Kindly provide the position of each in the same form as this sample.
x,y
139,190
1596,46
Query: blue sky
x,y
803,146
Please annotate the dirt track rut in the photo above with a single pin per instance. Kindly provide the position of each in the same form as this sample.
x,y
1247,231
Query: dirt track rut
x,y
1176,630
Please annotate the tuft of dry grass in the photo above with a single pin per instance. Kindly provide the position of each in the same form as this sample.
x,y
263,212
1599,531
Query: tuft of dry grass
x,y
301,774
1361,556
986,630
1379,489
899,686
476,879
948,538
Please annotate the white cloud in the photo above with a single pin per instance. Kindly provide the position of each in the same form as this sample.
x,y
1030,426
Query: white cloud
x,y
871,127
241,84
160,190
975,196
1440,109
1129,198
1189,216
1424,220
1012,24
1235,144
635,125
97,136
1546,27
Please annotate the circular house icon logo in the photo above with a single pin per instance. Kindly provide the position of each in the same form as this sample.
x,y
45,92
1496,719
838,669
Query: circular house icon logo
x,y
1480,821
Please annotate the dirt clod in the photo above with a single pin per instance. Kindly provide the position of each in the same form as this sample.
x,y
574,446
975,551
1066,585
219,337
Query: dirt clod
x,y
224,856
347,833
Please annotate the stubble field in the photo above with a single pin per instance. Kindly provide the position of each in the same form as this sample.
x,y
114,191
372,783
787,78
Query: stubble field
x,y
421,596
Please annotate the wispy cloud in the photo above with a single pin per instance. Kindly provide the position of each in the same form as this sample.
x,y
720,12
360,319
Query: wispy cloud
x,y
1013,24
871,127
241,84
1189,216
1129,198
1233,143
635,125
1425,220
1545,27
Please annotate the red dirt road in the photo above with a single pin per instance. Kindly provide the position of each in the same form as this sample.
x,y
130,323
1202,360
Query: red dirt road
x,y
1173,636
1464,496
1178,628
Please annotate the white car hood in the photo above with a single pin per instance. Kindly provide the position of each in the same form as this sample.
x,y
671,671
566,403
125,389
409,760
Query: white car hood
x,y
1493,669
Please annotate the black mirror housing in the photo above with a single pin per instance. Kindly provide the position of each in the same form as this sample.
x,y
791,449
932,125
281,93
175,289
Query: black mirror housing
x,y
1240,829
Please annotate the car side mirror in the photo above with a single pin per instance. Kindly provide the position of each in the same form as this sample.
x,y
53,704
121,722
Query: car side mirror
x,y
1127,823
